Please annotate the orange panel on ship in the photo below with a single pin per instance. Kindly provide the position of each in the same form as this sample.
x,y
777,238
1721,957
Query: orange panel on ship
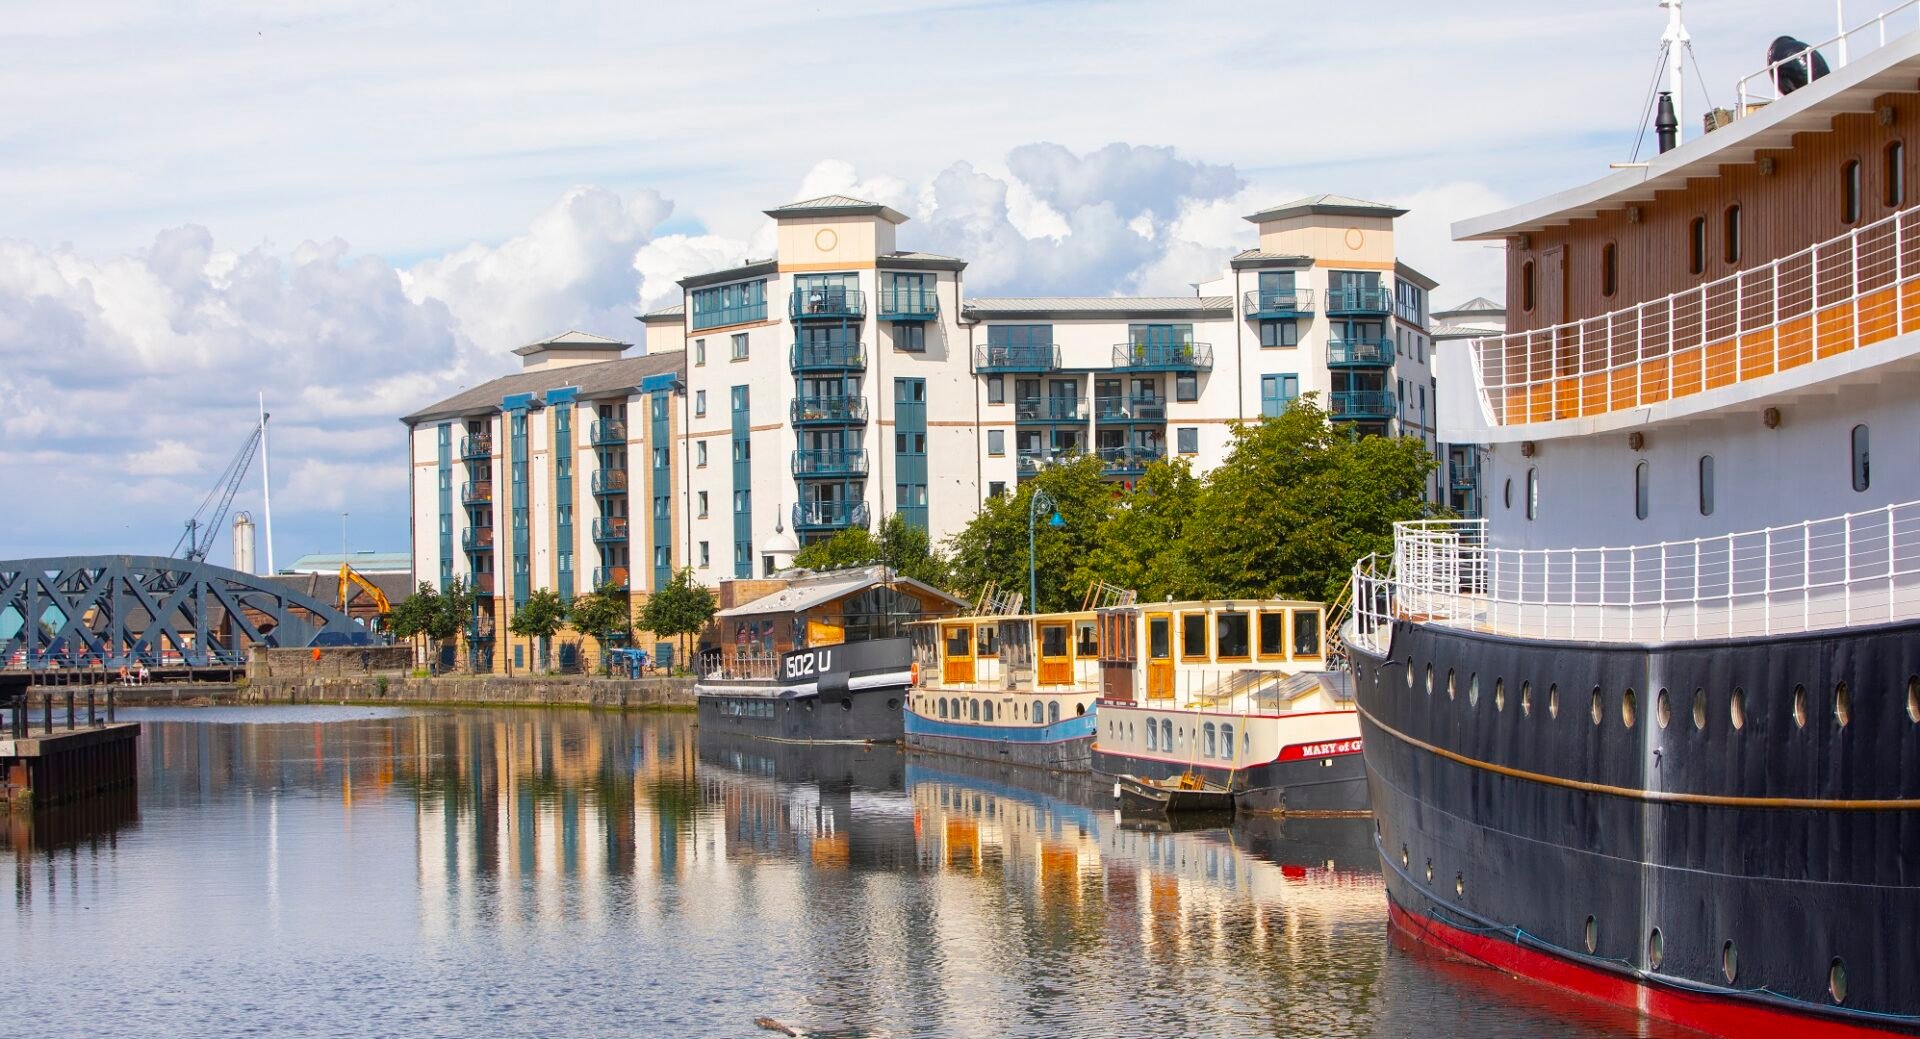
x,y
1720,364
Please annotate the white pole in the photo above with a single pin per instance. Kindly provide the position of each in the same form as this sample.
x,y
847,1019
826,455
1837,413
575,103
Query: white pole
x,y
266,482
1840,21
1675,39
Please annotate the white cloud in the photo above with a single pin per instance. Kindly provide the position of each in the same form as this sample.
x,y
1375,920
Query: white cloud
x,y
165,458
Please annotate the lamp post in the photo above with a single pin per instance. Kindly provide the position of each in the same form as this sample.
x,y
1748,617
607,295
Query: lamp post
x,y
1034,503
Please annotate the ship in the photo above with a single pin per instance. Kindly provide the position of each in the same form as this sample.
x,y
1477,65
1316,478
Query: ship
x,y
1015,688
1649,729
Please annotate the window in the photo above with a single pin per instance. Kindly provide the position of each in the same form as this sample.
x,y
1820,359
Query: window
x,y
1850,192
1276,392
741,398
705,557
1697,245
699,351
1609,269
1193,636
1186,386
1230,636
743,450
739,345
1861,476
986,711
1640,491
1306,633
1226,740
1706,485
1732,221
996,389
659,458
973,710
701,500
1039,713
1273,634
700,403
910,336
1210,740
729,304
1506,492
1053,711
1279,333
1896,174
1533,493
997,489
1187,439
1526,286
700,453
943,707
1153,735
996,441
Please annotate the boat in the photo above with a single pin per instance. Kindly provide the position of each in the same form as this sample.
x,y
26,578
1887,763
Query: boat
x,y
1236,693
1649,730
1182,795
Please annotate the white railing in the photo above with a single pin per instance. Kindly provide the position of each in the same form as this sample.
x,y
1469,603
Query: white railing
x,y
1859,568
1872,32
1743,326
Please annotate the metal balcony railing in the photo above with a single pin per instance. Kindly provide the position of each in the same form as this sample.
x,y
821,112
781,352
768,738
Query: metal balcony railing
x,y
807,304
609,431
823,515
1025,357
831,462
1279,303
482,584
836,356
476,492
1130,409
1756,89
1353,353
1359,299
610,528
477,539
476,445
909,305
1050,409
614,575
1164,357
1361,404
1127,461
609,481
829,410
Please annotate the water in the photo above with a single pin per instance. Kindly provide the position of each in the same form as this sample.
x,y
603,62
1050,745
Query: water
x,y
356,872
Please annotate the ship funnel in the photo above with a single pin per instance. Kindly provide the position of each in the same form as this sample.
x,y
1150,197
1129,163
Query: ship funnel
x,y
1666,125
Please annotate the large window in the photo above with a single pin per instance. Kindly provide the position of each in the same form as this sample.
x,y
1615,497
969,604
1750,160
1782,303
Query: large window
x,y
1279,333
1276,392
910,336
730,304
1230,636
1193,636
1187,440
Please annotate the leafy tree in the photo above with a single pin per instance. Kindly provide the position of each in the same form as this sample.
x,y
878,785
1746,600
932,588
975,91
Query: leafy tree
x,y
603,614
853,546
412,616
901,545
682,608
538,618
994,546
432,614
454,615
1140,545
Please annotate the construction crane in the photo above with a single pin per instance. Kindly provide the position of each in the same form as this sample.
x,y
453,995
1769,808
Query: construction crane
x,y
350,577
203,528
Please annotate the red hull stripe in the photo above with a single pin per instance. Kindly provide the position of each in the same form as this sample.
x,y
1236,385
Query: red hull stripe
x,y
1714,1015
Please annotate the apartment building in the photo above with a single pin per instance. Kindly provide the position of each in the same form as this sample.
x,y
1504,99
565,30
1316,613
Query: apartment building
x,y
846,379
1477,318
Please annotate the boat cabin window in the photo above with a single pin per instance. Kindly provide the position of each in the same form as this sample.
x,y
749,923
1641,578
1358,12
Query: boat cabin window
x,y
1193,636
1166,734
1862,476
1273,634
1053,640
986,711
1053,711
1086,642
989,640
1230,637
1306,633
943,707
1039,712
1153,737
1896,180
1226,740
973,710
1209,737
1159,642
959,641
1116,637
1850,192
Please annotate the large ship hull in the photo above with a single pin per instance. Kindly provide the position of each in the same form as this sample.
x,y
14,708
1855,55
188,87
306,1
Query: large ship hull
x,y
1063,746
1744,879
848,693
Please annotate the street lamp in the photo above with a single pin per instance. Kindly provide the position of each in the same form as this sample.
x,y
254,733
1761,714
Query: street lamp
x,y
1034,503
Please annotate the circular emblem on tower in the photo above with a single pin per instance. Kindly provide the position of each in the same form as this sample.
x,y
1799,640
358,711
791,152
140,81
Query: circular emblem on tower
x,y
824,239
1355,239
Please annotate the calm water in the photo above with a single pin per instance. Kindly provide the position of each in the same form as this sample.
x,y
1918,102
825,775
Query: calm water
x,y
355,872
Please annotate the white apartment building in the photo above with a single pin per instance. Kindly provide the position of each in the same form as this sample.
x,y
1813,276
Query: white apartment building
x,y
846,379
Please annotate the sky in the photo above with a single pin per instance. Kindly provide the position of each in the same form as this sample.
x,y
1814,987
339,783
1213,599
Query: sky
x,y
358,208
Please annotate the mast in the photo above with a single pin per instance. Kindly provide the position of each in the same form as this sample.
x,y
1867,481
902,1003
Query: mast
x,y
1675,42
266,482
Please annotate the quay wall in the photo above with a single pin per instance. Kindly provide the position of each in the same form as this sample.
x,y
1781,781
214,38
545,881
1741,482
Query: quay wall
x,y
490,690
330,662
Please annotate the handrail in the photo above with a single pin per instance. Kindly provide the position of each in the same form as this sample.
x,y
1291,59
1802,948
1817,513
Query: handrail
x,y
916,302
1022,357
1163,355
1745,325
1855,568
830,514
828,355
1769,73
823,302
608,431
829,409
1359,351
609,481
1050,409
829,461
609,528
1290,301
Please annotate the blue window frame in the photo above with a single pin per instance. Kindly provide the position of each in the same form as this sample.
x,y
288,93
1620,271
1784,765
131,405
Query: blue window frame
x,y
1276,392
730,304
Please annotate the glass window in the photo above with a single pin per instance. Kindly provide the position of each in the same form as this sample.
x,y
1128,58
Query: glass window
x,y
996,390
1850,192
1279,333
1193,636
1086,642
1706,485
1209,740
1273,633
1732,243
1862,477
1896,174
1533,493
739,345
701,500
1153,736
1226,740
1640,491
1306,633
996,441
1526,286
1157,647
943,707
973,710
1230,636
1039,713
1609,269
1697,245
1506,492
1187,439
1276,392
1186,386
700,403
1053,640
1053,711
704,557
997,489
959,641
1166,734
911,336
700,453
699,351
989,640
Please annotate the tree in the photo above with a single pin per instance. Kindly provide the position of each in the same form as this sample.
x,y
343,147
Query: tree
x,y
682,608
1140,545
603,614
902,546
538,618
853,546
412,617
994,546
436,615
455,613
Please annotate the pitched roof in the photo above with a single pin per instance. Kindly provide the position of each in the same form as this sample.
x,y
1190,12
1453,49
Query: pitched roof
x,y
597,379
1476,305
813,590
838,205
573,339
1327,205
673,313
1098,306
366,562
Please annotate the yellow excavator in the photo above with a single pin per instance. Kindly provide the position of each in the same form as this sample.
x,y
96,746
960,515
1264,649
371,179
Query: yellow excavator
x,y
349,577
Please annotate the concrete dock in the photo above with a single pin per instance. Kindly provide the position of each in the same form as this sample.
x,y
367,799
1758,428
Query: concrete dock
x,y
56,749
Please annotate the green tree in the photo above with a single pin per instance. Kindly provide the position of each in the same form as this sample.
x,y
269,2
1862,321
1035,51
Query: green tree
x,y
603,614
412,617
994,546
455,613
537,619
1141,544
901,545
431,614
853,546
682,608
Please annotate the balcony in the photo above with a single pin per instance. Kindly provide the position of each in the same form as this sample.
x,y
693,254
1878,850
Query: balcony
x,y
1016,358
1374,405
1130,409
476,445
609,528
482,584
829,411
477,539
610,575
610,481
909,305
476,492
831,462
1360,353
608,431
720,317
829,357
1273,304
1359,301
1164,357
829,515
1126,461
1040,410
827,304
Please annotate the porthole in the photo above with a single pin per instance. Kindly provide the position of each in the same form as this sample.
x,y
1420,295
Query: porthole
x,y
846,704
1499,694
1837,980
1662,708
1449,683
1403,856
1593,935
1596,706
1429,871
1656,949
1473,690
1842,705
1526,698
1553,700
1737,708
1460,885
1409,672
1430,679
1913,698
1799,706
1699,708
893,703
1627,709
1729,960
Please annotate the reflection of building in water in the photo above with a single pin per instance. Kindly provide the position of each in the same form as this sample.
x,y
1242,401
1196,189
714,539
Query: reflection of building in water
x,y
836,807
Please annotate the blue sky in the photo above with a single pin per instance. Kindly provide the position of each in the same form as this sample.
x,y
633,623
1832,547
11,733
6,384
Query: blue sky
x,y
362,207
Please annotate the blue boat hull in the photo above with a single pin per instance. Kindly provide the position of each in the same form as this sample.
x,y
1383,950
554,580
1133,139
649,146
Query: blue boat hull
x,y
1063,746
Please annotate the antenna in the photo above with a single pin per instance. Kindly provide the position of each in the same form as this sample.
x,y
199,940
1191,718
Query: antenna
x,y
1675,42
266,482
